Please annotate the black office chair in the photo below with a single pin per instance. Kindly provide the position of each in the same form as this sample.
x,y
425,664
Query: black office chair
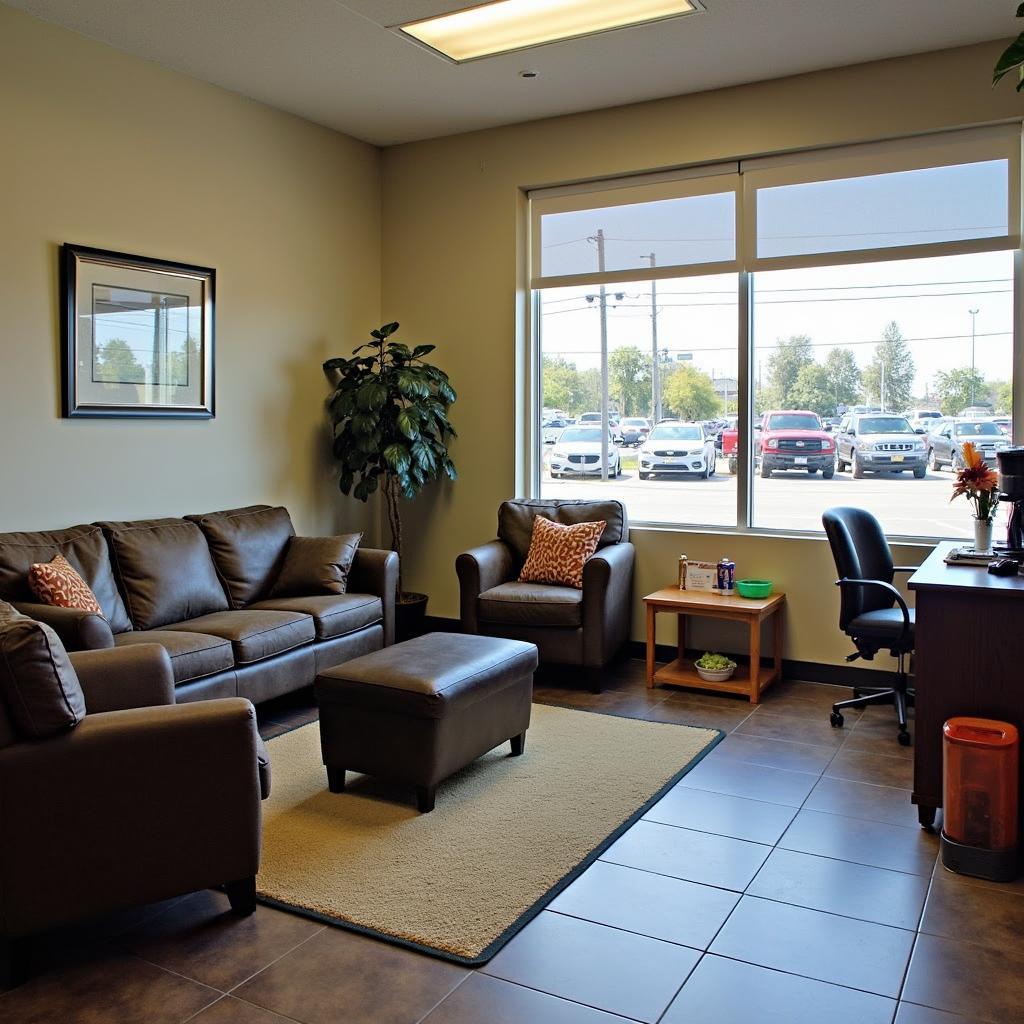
x,y
872,611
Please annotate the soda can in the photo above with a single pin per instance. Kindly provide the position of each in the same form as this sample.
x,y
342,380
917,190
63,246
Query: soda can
x,y
722,574
730,575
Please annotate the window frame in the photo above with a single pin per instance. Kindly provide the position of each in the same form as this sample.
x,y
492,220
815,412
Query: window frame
x,y
1001,141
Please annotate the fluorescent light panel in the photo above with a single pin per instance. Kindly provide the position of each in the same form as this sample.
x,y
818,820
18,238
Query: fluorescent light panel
x,y
516,24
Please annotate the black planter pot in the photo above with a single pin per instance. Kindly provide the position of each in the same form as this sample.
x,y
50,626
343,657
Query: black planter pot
x,y
410,613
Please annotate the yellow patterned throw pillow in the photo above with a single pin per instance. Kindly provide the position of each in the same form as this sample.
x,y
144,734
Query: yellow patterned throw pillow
x,y
558,553
58,584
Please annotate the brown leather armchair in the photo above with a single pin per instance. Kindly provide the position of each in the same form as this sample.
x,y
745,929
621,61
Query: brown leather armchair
x,y
584,627
141,801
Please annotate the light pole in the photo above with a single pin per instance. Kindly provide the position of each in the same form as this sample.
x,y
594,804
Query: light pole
x,y
974,313
655,369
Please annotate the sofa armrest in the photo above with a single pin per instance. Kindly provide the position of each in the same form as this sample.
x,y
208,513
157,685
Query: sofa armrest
x,y
78,630
375,571
607,599
129,807
480,569
139,676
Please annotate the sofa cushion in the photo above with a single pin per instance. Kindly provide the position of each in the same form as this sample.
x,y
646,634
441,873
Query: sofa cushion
x,y
165,571
59,584
317,565
193,655
531,604
83,546
248,547
38,684
254,634
333,614
515,520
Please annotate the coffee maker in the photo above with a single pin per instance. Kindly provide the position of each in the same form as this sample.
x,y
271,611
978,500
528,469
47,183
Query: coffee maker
x,y
1011,489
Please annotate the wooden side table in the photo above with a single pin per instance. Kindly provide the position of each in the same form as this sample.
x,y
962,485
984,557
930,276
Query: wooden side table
x,y
752,611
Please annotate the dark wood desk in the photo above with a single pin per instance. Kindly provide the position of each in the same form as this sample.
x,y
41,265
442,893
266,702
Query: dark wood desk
x,y
969,660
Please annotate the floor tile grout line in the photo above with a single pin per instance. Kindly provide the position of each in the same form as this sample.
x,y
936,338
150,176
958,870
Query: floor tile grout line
x,y
808,977
846,860
277,959
830,913
567,999
462,981
633,931
682,985
662,874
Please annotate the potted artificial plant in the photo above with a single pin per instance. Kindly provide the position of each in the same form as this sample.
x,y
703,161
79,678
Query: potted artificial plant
x,y
389,410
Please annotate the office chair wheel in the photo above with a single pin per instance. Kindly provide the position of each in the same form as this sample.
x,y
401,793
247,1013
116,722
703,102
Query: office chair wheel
x,y
836,719
903,738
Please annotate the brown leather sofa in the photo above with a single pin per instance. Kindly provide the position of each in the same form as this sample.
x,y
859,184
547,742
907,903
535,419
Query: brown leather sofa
x,y
200,586
142,800
584,627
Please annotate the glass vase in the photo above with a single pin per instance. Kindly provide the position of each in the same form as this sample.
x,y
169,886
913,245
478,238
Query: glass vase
x,y
982,534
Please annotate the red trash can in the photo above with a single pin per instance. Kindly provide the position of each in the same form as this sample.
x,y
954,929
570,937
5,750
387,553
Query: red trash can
x,y
980,772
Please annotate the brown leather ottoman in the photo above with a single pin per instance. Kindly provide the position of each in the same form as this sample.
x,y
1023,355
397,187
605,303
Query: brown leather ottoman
x,y
419,711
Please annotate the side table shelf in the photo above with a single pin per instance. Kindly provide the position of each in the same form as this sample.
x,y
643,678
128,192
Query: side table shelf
x,y
752,611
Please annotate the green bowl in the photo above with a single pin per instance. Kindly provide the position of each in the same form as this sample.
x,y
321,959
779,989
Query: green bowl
x,y
754,588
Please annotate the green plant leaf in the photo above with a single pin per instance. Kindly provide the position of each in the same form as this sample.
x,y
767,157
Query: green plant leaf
x,y
447,392
363,423
1012,57
388,329
1020,11
422,350
345,482
407,422
397,457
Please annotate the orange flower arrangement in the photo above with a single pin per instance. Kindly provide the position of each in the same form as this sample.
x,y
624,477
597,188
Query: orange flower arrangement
x,y
978,483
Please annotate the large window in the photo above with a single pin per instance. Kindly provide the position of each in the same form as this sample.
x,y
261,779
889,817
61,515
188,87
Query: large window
x,y
749,344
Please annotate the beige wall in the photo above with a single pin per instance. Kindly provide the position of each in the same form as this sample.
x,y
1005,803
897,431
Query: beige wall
x,y
450,245
104,149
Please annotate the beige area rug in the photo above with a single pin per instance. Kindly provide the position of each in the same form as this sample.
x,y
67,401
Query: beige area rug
x,y
507,834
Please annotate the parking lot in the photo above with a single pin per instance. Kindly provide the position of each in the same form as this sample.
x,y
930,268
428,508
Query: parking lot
x,y
788,501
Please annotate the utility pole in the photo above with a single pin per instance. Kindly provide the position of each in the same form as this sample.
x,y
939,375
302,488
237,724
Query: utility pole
x,y
599,240
655,367
881,389
974,313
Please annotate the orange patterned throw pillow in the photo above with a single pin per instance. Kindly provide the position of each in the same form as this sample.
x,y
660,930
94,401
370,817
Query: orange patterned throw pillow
x,y
558,553
57,583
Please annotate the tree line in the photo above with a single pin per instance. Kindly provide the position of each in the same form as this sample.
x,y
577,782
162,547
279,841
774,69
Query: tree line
x,y
686,392
794,379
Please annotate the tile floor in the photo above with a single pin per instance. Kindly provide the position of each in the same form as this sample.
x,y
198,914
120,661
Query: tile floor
x,y
783,880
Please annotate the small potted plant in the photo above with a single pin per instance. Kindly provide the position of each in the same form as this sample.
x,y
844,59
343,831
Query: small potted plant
x,y
715,668
980,485
391,431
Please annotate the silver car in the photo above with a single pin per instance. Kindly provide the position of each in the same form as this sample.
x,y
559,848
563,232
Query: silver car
x,y
880,443
947,443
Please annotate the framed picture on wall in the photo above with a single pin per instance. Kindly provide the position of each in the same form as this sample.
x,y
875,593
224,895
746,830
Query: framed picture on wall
x,y
137,335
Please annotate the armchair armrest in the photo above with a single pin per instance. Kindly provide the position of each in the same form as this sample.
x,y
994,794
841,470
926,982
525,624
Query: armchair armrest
x,y
139,676
375,571
480,569
892,591
78,630
607,593
129,807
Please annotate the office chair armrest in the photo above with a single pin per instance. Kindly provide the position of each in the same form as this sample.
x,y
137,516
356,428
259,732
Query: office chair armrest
x,y
892,591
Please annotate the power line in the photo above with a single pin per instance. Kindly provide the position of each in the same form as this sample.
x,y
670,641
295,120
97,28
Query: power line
x,y
817,288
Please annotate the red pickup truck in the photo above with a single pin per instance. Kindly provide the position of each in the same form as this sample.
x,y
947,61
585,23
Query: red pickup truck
x,y
787,439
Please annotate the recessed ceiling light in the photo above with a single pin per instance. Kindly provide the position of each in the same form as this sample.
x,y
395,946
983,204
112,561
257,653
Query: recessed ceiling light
x,y
506,25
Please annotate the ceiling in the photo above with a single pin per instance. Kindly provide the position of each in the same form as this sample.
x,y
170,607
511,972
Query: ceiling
x,y
338,64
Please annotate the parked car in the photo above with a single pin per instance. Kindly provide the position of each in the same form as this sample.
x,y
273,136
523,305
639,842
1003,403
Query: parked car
x,y
613,423
1004,423
551,429
794,439
677,447
946,445
577,452
881,443
634,430
729,440
923,417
